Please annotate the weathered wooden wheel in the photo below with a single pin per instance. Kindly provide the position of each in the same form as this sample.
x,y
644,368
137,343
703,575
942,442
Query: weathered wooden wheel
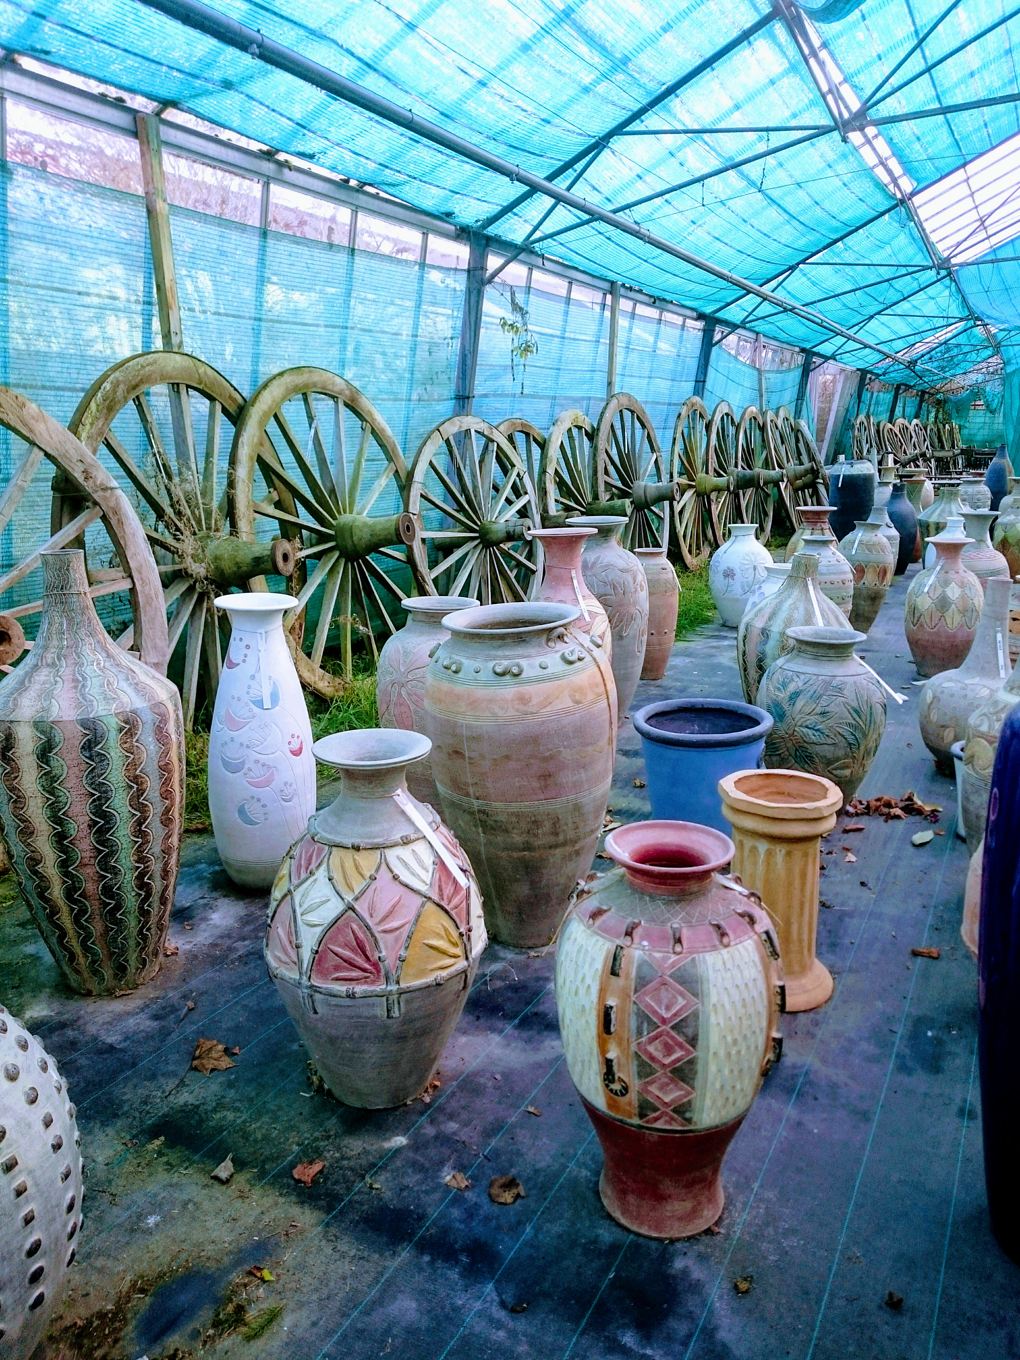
x,y
781,439
724,506
756,503
336,490
123,577
629,466
688,461
471,496
565,485
811,490
528,440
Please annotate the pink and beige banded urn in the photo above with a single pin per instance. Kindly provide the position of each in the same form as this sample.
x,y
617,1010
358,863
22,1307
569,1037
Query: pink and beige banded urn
x,y
563,582
943,607
375,926
668,988
663,608
813,519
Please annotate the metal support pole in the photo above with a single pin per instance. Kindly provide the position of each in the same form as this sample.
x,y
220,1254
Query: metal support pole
x,y
802,386
895,398
470,327
861,382
704,356
614,337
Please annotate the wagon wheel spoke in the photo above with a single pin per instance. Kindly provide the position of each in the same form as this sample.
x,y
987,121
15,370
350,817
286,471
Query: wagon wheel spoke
x,y
528,440
688,460
753,456
626,452
565,466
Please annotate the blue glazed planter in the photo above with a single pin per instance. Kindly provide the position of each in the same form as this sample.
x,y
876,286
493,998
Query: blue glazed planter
x,y
689,745
997,476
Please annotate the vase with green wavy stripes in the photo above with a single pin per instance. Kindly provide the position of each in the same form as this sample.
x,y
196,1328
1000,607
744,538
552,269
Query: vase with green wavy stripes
x,y
91,790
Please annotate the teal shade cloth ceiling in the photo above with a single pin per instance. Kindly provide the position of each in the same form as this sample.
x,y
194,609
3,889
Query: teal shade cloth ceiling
x,y
539,84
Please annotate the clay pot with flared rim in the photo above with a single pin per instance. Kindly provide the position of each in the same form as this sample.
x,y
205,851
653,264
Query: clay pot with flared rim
x,y
775,574
521,711
778,818
935,518
375,926
980,557
663,608
812,519
943,606
735,570
873,564
617,579
668,990
835,574
974,494
400,677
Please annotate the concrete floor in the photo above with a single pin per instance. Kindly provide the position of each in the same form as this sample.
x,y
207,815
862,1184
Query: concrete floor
x,y
857,1172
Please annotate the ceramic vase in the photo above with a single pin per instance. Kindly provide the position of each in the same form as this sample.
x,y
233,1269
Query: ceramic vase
x,y
835,574
91,791
828,708
814,519
997,475
919,491
778,818
949,698
851,494
871,560
735,570
400,677
970,925
1011,501
974,494
980,557
375,926
563,582
42,1172
522,718
935,519
775,574
663,608
261,767
617,579
880,510
980,740
903,517
943,607
667,988
761,638
1006,534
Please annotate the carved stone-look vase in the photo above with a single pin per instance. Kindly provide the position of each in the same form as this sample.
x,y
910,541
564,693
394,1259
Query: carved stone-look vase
x,y
43,1180
775,574
903,517
943,606
375,926
261,767
814,519
91,791
400,677
920,495
980,557
950,698
668,991
935,518
835,574
761,638
617,579
974,494
522,717
663,608
734,571
778,819
980,739
871,560
828,708
1006,534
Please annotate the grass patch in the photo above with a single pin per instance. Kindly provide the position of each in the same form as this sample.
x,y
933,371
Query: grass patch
x,y
696,604
196,781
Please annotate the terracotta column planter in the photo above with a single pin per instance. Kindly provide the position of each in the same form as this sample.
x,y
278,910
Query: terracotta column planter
x,y
778,819
663,607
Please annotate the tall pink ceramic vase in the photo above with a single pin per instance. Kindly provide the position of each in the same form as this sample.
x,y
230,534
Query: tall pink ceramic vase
x,y
663,608
563,582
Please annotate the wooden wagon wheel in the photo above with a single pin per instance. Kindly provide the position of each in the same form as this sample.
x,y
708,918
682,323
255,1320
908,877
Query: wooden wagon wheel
x,y
723,506
753,455
565,472
688,460
627,453
815,492
472,498
313,456
123,579
528,440
780,436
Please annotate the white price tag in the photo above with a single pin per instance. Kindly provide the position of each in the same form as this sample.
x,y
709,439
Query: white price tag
x,y
414,816
1003,668
580,597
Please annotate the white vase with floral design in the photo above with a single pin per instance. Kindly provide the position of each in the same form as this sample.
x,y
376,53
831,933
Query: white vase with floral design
x,y
734,571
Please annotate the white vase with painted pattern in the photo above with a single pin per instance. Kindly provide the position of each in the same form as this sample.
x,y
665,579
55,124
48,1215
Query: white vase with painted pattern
x,y
734,571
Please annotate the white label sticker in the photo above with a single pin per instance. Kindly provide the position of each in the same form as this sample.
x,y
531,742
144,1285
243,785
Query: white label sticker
x,y
414,816
580,597
1003,668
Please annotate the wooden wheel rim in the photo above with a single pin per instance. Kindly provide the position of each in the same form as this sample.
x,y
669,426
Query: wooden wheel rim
x,y
627,451
724,506
565,471
688,458
528,440
756,504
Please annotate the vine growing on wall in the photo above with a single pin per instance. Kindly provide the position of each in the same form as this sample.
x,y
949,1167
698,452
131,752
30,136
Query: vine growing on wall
x,y
523,341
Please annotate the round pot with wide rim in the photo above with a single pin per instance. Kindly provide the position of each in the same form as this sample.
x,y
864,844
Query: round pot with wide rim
x,y
617,579
980,740
851,493
835,574
997,477
775,574
871,560
903,518
979,556
813,519
689,744
375,926
943,606
974,494
522,717
828,708
778,818
663,608
735,570
400,677
668,991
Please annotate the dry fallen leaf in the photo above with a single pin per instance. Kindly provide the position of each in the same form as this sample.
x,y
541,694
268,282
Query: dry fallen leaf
x,y
530,1109
505,1190
456,1180
261,1273
235,1051
306,1172
926,952
210,1056
169,950
854,826
224,1171
893,1300
639,783
743,1284
431,1086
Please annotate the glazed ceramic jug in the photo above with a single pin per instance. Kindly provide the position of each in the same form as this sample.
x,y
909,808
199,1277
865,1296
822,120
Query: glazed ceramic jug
x,y
949,698
400,677
778,819
997,476
375,926
668,989
522,718
827,705
980,740
851,493
871,560
943,606
261,767
563,581
617,579
734,571
980,557
663,608
775,574
903,517
935,519
835,574
761,638
1006,534
974,494
42,1170
814,519
91,791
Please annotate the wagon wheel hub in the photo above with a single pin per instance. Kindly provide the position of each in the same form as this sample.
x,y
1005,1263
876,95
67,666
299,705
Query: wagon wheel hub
x,y
358,535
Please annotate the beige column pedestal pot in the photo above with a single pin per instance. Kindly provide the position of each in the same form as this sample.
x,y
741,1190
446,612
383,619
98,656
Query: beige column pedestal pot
x,y
778,819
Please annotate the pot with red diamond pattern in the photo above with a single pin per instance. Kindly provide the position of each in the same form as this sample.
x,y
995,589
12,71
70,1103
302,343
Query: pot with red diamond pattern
x,y
668,987
375,926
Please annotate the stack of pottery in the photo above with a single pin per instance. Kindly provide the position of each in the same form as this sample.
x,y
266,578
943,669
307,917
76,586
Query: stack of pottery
x,y
778,819
400,677
943,606
997,477
522,721
375,926
663,607
668,990
828,708
761,638
835,574
933,520
261,767
980,739
950,697
1006,535
813,519
734,571
91,790
870,556
979,556
903,517
775,574
974,494
851,493
617,579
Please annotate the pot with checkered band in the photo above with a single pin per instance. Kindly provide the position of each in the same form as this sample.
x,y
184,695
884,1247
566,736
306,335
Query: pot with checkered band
x,y
375,925
41,1180
668,987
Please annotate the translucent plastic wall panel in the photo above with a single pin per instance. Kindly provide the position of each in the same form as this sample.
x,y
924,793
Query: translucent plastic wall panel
x,y
781,386
656,361
729,379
